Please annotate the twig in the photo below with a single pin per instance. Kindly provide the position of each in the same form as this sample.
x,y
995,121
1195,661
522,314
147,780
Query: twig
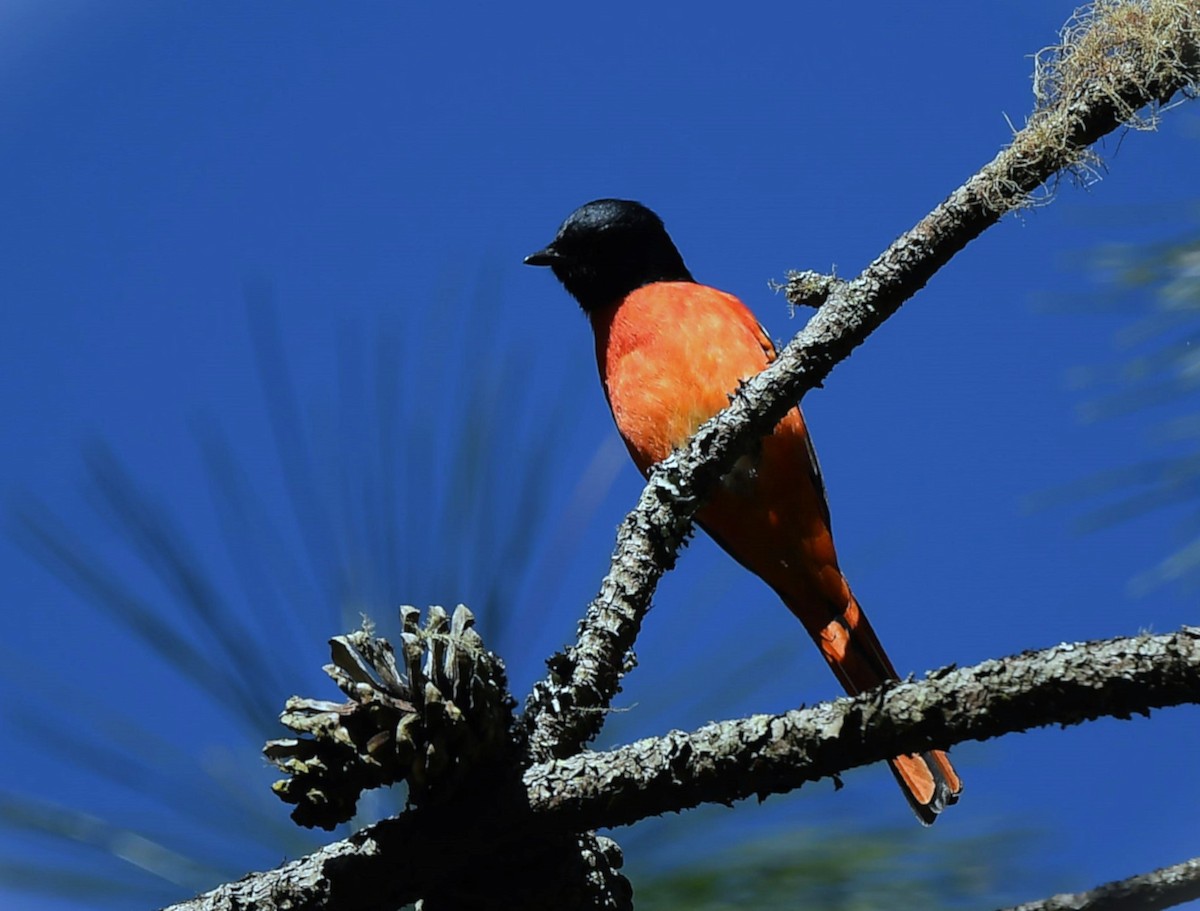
x,y
1163,888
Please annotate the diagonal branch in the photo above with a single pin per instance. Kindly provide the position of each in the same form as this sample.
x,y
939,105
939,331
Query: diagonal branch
x,y
1127,56
407,856
1162,888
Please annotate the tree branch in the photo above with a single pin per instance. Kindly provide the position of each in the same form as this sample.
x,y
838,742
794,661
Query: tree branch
x,y
408,856
1163,888
1124,57
772,754
461,860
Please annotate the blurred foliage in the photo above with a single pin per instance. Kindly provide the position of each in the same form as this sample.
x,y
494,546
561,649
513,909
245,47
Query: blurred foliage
x,y
392,500
837,871
1155,288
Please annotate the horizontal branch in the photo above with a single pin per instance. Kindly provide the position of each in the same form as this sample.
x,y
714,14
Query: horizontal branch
x,y
1130,55
347,875
402,858
771,754
450,856
1163,888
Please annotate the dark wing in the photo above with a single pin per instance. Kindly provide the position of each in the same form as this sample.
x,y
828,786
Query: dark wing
x,y
814,466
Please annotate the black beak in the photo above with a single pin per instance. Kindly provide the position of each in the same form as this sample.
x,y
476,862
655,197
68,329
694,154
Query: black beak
x,y
546,257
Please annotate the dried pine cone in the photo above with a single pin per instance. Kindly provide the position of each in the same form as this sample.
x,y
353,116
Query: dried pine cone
x,y
445,713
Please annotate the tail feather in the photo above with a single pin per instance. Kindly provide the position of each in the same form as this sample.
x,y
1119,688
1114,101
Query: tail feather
x,y
928,781
857,658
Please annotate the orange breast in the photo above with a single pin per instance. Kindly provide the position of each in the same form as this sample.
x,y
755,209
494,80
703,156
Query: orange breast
x,y
670,354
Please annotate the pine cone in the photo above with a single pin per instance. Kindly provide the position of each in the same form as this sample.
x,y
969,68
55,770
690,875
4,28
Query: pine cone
x,y
447,712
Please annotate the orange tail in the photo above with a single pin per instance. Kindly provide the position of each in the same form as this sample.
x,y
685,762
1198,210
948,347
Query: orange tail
x,y
855,656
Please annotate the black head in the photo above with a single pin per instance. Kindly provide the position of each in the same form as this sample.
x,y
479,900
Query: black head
x,y
609,247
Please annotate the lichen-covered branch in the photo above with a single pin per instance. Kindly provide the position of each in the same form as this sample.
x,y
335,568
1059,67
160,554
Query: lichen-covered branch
x,y
1162,888
1118,59
770,754
417,853
448,860
346,875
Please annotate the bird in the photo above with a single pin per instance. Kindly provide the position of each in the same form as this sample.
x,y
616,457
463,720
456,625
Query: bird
x,y
671,352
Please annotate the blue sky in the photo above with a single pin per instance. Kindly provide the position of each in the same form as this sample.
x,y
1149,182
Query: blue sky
x,y
383,168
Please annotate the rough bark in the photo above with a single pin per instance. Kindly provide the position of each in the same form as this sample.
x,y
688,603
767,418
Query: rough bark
x,y
770,754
